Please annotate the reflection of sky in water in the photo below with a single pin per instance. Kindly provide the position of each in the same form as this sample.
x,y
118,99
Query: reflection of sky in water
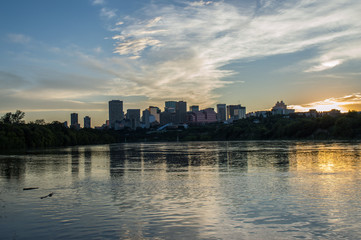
x,y
208,190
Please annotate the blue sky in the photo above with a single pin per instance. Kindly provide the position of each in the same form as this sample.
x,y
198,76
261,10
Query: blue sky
x,y
59,57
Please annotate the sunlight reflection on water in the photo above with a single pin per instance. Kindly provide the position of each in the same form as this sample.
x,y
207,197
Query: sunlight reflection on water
x,y
196,190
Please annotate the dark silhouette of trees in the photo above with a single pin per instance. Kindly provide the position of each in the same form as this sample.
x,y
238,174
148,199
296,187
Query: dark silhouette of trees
x,y
15,134
13,118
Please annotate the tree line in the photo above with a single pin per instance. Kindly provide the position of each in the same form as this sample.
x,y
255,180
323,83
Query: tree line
x,y
344,126
16,134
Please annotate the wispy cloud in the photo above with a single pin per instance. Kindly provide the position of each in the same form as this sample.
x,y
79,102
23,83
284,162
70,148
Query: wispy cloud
x,y
182,50
98,2
11,81
134,46
98,50
335,54
18,38
108,13
200,3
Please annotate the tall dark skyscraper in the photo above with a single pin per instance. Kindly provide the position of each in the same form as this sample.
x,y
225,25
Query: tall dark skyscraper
x,y
87,122
116,114
221,112
73,119
181,112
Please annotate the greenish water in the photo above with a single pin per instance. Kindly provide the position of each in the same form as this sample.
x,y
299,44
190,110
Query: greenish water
x,y
191,190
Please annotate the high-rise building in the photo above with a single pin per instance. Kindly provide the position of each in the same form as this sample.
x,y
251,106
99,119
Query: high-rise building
x,y
155,111
73,118
133,115
116,114
87,122
281,108
235,112
221,112
194,108
170,106
145,118
74,121
181,112
202,117
210,114
167,117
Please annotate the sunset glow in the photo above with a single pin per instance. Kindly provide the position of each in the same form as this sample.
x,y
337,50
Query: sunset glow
x,y
344,104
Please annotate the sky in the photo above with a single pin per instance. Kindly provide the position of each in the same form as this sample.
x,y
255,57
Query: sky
x,y
64,56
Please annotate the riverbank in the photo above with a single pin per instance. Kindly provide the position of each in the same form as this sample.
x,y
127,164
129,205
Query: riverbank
x,y
343,127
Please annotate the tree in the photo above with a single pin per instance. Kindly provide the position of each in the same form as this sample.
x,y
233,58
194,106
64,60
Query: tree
x,y
40,122
13,118
6,118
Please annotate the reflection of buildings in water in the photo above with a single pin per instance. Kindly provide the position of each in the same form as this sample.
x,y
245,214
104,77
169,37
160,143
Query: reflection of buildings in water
x,y
269,155
75,155
13,168
202,154
154,158
117,158
177,159
87,161
232,156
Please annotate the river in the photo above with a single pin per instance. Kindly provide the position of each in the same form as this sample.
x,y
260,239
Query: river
x,y
184,190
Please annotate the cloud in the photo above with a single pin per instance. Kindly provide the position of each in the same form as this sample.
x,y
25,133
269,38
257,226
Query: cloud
x,y
336,54
98,50
153,22
181,51
18,38
344,104
325,65
108,13
98,2
11,81
200,3
134,46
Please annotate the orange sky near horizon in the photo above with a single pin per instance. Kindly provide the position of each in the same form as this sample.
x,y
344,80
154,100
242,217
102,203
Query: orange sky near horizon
x,y
344,104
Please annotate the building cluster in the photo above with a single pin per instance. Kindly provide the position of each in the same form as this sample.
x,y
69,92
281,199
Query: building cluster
x,y
74,123
175,114
280,108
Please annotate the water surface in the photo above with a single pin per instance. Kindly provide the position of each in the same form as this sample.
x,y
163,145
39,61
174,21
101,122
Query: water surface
x,y
191,190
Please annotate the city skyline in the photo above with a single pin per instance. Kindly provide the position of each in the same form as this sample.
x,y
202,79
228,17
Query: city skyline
x,y
173,110
61,57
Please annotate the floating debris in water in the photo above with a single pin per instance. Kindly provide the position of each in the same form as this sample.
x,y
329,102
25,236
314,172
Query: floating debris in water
x,y
49,195
30,188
